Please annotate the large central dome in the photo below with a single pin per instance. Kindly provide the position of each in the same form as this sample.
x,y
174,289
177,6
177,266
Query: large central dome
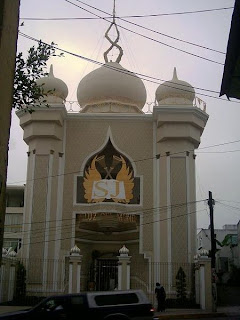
x,y
111,83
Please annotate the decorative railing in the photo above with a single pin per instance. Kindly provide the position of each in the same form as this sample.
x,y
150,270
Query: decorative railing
x,y
74,106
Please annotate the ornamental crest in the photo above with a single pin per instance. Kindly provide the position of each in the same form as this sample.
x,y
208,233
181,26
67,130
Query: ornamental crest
x,y
109,177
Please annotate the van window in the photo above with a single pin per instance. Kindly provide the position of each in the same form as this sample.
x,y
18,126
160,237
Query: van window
x,y
115,299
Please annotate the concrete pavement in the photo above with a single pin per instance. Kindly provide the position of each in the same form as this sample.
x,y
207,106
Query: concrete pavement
x,y
228,311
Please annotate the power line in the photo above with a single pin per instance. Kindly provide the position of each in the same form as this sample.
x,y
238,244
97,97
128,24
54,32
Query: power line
x,y
228,206
146,223
147,78
135,161
130,212
131,16
228,201
141,35
154,31
140,26
228,151
69,226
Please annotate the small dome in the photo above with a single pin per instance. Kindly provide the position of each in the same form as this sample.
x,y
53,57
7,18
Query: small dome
x,y
203,253
53,87
75,251
124,251
111,83
175,92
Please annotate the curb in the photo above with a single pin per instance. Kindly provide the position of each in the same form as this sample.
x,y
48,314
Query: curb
x,y
191,315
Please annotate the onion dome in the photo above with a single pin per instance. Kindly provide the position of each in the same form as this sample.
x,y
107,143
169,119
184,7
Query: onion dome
x,y
111,83
203,253
175,92
124,251
75,251
55,89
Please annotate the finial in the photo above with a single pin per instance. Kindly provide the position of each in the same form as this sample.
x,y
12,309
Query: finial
x,y
114,10
115,42
51,71
175,74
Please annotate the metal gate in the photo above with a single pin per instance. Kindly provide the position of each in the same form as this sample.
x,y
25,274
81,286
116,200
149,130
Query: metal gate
x,y
106,274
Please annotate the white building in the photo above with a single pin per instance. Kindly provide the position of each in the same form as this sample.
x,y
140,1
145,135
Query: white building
x,y
225,254
111,175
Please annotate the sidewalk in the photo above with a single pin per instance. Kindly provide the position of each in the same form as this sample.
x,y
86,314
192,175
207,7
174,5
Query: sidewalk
x,y
198,313
168,314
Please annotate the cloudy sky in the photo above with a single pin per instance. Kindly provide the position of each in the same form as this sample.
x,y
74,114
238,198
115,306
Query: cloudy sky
x,y
189,35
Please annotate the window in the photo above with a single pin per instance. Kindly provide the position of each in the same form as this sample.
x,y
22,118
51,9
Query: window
x,y
116,299
13,222
15,244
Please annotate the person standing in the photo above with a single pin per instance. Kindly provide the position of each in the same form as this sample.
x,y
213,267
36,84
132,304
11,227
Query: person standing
x,y
161,297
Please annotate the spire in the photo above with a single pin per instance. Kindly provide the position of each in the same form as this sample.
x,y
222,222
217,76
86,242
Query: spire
x,y
51,71
115,42
114,10
175,78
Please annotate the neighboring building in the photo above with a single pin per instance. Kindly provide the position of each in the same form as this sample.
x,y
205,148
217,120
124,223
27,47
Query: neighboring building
x,y
14,218
111,175
9,18
236,249
231,76
226,254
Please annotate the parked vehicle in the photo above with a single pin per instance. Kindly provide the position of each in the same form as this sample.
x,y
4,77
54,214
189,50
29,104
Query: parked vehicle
x,y
107,305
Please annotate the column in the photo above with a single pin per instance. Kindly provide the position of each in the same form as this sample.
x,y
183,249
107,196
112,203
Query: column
x,y
74,275
124,269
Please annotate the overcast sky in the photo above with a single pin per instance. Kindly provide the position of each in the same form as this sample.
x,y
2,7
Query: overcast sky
x,y
217,168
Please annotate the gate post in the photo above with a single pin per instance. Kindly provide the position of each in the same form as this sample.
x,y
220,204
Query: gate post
x,y
74,276
124,269
204,280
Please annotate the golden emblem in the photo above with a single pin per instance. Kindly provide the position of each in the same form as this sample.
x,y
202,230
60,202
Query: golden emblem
x,y
98,189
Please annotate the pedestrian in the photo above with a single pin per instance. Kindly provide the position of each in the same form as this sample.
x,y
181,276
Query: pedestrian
x,y
161,297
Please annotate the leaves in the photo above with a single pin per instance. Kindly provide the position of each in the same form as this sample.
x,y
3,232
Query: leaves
x,y
26,92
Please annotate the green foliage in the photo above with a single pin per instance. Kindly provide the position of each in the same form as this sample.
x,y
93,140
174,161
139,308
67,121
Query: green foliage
x,y
26,92
20,292
181,285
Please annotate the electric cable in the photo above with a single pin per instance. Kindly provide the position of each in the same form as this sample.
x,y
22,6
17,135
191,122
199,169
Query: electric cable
x,y
130,73
131,16
146,37
73,237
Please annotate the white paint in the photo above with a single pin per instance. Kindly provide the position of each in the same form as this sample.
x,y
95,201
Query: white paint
x,y
70,279
28,221
47,219
78,277
202,287
128,276
108,189
11,283
2,273
58,233
189,232
119,277
169,223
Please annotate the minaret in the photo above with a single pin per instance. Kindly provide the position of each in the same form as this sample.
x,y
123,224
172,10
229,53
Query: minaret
x,y
44,134
178,127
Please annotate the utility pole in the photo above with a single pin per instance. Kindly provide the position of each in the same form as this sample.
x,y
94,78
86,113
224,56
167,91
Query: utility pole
x,y
211,203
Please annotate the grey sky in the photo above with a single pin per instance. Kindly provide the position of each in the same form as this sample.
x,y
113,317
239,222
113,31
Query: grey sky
x,y
217,172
